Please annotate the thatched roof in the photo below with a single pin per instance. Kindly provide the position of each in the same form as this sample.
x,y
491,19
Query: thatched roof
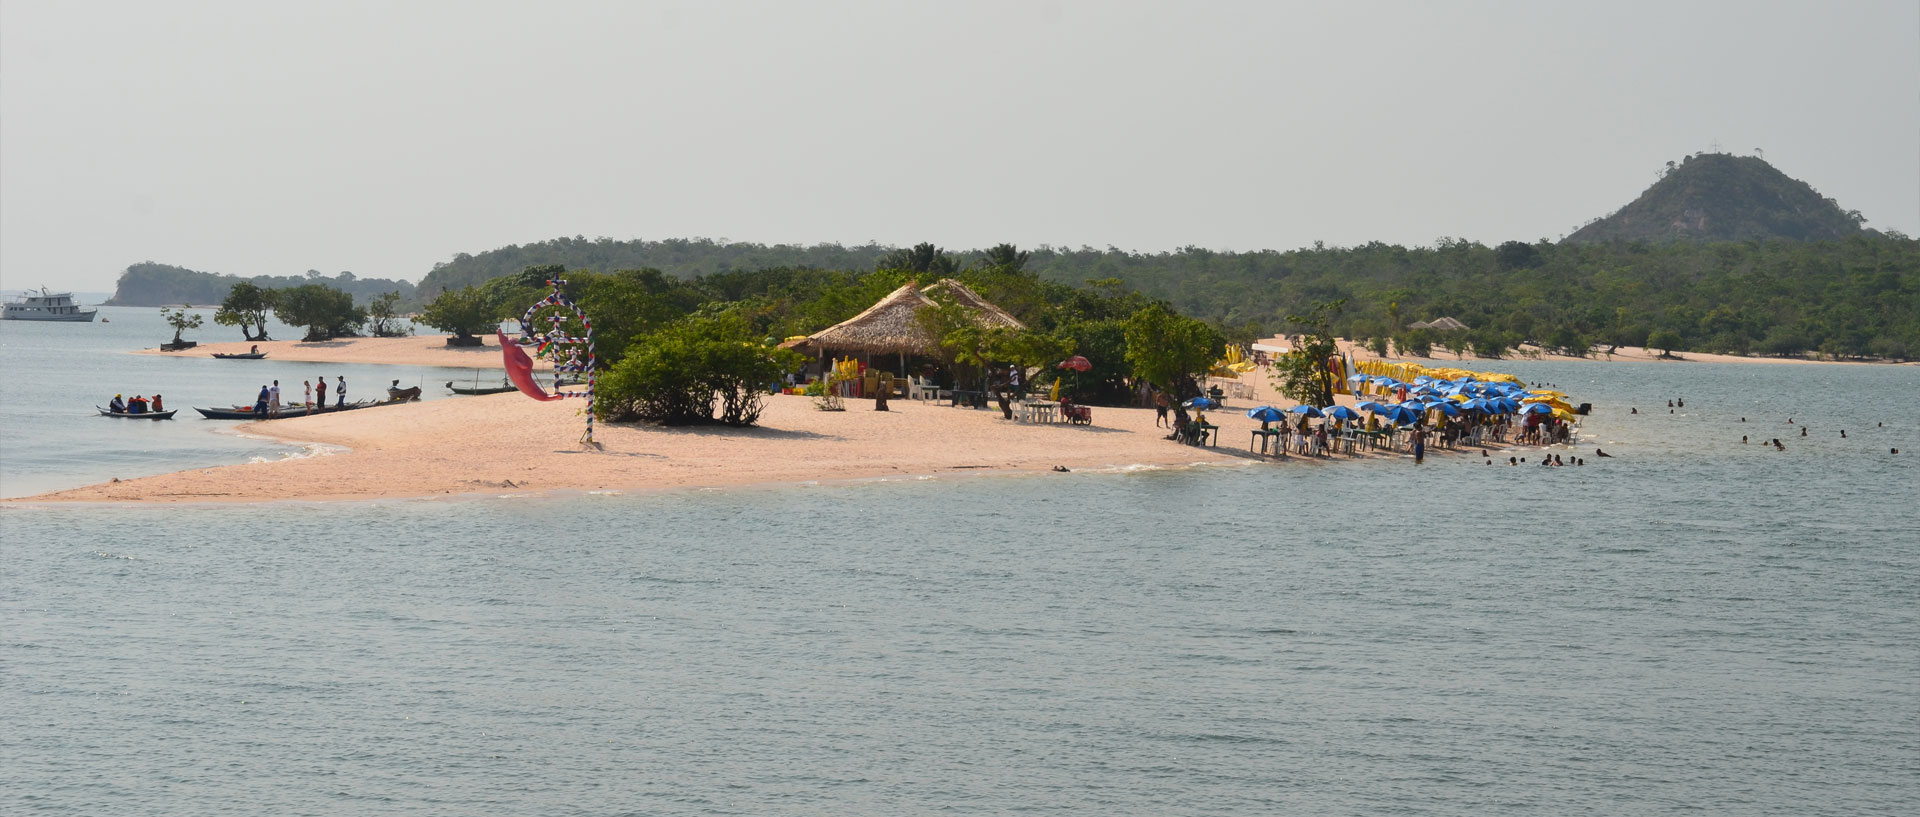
x,y
1441,324
984,310
893,324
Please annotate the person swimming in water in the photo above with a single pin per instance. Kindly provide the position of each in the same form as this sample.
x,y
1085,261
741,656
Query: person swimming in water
x,y
1599,453
1743,439
1803,431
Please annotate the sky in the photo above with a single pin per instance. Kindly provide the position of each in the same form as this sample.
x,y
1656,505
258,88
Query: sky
x,y
381,138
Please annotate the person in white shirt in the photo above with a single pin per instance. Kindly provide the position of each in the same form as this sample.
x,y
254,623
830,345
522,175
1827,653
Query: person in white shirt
x,y
306,393
273,400
341,390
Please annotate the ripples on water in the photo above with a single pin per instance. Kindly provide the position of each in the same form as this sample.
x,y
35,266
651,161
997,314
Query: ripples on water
x,y
1695,625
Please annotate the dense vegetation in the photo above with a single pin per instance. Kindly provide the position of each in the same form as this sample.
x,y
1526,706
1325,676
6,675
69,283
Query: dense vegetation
x,y
1720,197
151,284
662,337
1858,296
679,257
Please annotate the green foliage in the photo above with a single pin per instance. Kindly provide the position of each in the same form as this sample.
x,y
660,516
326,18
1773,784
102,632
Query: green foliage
x,y
683,372
151,284
1302,373
463,312
326,312
923,259
247,306
1666,340
1168,349
181,320
383,319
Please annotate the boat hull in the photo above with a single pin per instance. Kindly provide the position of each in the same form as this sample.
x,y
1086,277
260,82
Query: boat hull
x,y
285,411
248,356
150,415
69,317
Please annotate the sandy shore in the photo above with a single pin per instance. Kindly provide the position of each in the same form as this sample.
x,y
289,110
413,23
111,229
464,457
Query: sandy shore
x,y
506,443
1442,358
414,350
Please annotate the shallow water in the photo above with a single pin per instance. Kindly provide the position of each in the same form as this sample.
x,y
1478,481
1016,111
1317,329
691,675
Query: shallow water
x,y
1691,625
58,372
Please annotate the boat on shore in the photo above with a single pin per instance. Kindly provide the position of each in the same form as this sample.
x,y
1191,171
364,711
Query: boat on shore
x,y
241,355
247,413
46,306
500,389
145,415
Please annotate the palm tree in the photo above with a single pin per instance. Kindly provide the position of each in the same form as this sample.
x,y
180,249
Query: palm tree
x,y
1006,256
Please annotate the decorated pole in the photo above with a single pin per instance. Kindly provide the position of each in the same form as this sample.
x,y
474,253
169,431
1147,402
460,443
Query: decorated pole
x,y
569,353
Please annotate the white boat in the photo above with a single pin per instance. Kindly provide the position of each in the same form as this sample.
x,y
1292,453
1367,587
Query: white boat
x,y
46,306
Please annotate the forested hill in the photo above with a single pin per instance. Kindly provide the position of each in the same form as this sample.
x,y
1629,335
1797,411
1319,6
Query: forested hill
x,y
1721,197
680,257
151,284
1857,297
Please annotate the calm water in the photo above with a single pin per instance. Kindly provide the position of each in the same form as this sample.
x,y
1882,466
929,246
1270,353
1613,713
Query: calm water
x,y
58,372
1694,625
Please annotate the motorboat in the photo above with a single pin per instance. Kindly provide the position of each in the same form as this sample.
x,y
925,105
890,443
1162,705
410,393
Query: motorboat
x,y
46,306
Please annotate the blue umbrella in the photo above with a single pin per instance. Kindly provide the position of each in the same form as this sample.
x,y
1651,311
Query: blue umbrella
x,y
1266,414
1476,404
1307,410
1372,406
1356,378
1202,403
1447,407
1399,415
1536,408
1342,413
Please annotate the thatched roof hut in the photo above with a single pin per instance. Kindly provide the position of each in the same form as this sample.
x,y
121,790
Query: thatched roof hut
x,y
1439,324
984,311
892,326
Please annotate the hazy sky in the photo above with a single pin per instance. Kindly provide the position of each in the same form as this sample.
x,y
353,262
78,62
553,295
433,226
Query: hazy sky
x,y
273,138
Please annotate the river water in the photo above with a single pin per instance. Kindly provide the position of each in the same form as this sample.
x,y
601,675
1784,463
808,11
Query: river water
x,y
1691,625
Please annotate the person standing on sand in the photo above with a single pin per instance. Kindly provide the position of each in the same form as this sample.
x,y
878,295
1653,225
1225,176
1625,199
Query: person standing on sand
x,y
273,400
1160,405
340,393
320,389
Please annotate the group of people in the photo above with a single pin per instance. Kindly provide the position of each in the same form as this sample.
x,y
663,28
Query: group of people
x,y
138,405
268,403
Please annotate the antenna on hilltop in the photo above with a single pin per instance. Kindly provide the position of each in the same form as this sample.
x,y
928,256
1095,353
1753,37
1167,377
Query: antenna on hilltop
x,y
1716,146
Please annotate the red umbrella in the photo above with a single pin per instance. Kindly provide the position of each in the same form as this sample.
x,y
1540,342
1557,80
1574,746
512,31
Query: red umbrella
x,y
1078,364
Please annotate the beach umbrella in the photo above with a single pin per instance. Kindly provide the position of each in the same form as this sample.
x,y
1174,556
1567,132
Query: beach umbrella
x,y
1307,410
1266,414
1536,408
1399,415
1342,413
1476,404
1078,364
1202,403
1372,406
1450,409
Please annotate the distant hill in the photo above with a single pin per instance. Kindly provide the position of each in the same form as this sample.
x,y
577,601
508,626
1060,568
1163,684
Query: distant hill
x,y
1721,197
151,284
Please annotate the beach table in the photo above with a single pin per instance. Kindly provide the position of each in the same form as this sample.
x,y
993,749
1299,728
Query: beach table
x,y
1209,435
1038,411
971,398
1264,437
